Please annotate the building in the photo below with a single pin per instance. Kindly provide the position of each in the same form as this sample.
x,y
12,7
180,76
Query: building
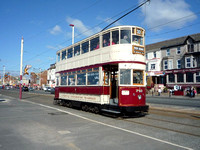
x,y
51,73
179,61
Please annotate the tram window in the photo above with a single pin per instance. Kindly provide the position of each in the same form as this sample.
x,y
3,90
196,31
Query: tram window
x,y
93,78
106,39
58,58
63,55
137,77
137,40
94,44
85,47
64,80
81,79
106,78
77,50
115,37
70,53
125,37
125,76
71,79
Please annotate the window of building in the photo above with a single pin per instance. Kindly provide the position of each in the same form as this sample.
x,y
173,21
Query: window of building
x,y
165,65
125,37
115,37
170,64
190,48
178,64
171,78
180,77
188,62
94,44
125,76
137,77
106,39
146,55
189,77
85,47
154,54
197,76
168,52
77,50
153,66
178,51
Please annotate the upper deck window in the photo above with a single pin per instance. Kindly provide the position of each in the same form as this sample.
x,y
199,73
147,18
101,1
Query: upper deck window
x,y
125,37
106,39
63,54
58,57
70,53
115,37
77,50
137,40
94,44
85,47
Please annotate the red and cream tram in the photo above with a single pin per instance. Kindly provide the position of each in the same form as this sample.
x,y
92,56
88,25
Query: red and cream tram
x,y
105,72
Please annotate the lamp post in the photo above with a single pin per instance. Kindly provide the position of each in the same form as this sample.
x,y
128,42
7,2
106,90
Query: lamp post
x,y
21,65
72,33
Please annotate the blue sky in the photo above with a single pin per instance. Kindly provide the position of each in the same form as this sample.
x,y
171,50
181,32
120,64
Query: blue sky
x,y
44,25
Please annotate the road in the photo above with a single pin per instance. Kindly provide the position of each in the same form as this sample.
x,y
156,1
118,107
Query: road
x,y
35,123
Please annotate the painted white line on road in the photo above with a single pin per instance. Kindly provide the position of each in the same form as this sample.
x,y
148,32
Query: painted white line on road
x,y
111,126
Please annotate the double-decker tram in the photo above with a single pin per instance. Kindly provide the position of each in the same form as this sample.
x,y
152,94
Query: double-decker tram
x,y
104,72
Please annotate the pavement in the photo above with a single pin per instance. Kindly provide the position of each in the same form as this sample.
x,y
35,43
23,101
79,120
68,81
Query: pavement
x,y
166,95
174,108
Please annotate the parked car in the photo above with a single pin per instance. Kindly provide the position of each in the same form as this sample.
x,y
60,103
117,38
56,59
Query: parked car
x,y
48,89
53,91
25,89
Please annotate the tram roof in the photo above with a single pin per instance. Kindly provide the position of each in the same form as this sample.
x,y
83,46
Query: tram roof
x,y
104,31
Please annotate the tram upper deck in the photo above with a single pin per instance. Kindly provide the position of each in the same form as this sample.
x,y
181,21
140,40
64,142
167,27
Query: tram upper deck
x,y
117,44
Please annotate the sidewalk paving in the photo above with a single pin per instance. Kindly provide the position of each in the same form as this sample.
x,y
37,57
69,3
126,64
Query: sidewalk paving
x,y
166,95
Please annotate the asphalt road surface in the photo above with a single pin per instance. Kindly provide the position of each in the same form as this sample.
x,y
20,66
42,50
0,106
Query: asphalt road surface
x,y
35,123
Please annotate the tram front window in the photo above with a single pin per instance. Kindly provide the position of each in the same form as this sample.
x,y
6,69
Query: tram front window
x,y
137,40
125,37
137,77
125,76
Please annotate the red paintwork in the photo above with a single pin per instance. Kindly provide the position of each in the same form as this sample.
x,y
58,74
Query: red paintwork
x,y
132,98
93,90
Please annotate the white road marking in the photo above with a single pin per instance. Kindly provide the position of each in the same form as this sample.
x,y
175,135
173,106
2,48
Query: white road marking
x,y
111,126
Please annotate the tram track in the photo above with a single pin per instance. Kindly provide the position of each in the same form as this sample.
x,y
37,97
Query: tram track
x,y
160,127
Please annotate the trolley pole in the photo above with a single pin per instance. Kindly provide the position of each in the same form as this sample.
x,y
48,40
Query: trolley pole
x,y
72,33
21,65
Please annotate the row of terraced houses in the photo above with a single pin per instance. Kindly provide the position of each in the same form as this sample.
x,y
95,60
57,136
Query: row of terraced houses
x,y
174,63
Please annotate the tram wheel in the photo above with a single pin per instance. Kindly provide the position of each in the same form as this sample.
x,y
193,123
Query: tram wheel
x,y
96,110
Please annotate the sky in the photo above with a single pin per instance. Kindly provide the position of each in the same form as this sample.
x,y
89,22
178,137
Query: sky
x,y
44,25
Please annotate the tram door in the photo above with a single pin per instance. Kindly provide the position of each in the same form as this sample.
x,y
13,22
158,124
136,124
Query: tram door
x,y
114,83
111,78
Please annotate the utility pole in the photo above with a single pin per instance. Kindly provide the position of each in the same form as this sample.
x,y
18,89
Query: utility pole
x,y
4,70
72,33
21,65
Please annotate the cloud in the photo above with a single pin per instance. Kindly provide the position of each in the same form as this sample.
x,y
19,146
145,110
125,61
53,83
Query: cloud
x,y
161,12
56,30
54,47
81,28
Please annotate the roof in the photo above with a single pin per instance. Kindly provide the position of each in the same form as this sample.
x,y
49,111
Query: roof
x,y
172,42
